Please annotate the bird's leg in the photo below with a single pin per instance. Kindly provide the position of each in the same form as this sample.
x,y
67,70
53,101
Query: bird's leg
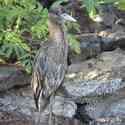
x,y
50,112
52,98
39,119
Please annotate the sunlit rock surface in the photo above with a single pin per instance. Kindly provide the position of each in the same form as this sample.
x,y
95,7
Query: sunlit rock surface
x,y
106,66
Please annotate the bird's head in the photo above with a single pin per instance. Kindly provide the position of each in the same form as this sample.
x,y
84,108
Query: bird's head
x,y
56,19
58,16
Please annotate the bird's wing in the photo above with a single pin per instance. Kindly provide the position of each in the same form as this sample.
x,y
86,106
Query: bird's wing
x,y
46,79
53,80
54,77
36,86
38,76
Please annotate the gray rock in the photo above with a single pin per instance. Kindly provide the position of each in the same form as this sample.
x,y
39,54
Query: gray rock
x,y
92,44
93,88
90,47
12,118
64,107
11,76
106,66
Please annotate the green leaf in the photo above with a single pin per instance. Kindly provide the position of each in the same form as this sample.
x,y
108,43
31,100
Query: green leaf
x,y
19,51
120,4
73,27
26,62
8,2
9,51
90,7
74,44
14,38
6,50
17,17
2,61
106,1
40,29
11,12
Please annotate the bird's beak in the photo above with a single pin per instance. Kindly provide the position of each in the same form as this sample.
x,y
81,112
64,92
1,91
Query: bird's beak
x,y
67,17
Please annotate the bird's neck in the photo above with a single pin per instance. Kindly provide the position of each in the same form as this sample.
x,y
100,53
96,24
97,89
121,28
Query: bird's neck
x,y
56,33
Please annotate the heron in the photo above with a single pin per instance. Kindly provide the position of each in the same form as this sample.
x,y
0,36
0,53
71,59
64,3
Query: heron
x,y
50,63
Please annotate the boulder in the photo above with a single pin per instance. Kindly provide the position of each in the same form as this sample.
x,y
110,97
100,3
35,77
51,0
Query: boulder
x,y
90,47
93,44
106,66
11,76
12,118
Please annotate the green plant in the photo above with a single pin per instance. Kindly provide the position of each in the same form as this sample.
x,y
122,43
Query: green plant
x,y
25,17
71,38
91,5
73,43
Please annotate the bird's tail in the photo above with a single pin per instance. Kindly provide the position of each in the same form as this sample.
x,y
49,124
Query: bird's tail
x,y
42,102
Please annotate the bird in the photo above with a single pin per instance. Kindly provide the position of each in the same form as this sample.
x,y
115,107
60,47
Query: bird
x,y
50,63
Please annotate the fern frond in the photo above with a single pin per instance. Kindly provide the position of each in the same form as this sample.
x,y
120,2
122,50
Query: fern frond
x,y
14,38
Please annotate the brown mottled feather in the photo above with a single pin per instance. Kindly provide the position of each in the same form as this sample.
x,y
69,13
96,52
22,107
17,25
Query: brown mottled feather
x,y
49,68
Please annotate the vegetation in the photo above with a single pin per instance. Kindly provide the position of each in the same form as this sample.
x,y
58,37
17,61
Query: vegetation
x,y
91,5
21,20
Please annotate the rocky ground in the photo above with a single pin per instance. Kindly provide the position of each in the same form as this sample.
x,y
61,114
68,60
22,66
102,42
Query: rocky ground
x,y
96,87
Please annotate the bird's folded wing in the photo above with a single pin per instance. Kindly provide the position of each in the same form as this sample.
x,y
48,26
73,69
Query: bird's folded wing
x,y
47,76
53,77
